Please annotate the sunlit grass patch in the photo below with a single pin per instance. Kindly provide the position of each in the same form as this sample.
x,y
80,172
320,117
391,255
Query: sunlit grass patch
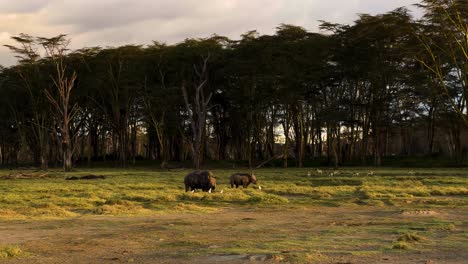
x,y
10,214
122,209
145,191
268,199
10,251
303,257
401,245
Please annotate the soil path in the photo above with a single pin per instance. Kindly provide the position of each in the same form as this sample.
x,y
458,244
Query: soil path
x,y
201,238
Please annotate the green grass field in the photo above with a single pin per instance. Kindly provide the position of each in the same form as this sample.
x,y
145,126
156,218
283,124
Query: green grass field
x,y
298,216
142,192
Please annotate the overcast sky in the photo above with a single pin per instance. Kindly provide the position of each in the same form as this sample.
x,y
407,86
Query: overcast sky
x,y
118,22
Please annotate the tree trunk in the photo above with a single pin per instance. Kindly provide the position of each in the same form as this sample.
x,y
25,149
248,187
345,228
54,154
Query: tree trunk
x,y
377,147
44,158
197,111
286,125
123,148
365,143
66,148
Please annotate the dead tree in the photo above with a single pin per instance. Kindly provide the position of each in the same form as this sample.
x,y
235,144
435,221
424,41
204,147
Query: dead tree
x,y
63,82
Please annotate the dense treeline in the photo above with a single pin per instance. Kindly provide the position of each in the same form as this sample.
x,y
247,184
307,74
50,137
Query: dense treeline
x,y
294,94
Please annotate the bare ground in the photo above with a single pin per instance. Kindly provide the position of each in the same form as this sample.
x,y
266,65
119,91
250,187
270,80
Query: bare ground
x,y
242,235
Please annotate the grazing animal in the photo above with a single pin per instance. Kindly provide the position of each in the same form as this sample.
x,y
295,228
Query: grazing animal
x,y
370,173
243,179
320,172
203,180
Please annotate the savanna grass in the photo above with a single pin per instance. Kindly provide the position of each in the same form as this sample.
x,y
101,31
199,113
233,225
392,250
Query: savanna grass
x,y
143,192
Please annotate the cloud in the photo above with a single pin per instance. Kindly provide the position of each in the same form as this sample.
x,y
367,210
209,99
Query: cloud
x,y
21,6
119,22
96,15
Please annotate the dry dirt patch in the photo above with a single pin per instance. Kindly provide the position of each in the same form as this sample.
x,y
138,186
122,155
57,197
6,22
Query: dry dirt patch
x,y
230,235
22,175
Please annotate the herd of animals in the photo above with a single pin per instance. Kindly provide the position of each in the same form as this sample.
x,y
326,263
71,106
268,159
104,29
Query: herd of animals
x,y
206,181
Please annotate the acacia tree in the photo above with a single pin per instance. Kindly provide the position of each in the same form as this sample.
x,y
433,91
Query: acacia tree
x,y
159,98
443,35
35,121
121,76
60,98
197,109
195,57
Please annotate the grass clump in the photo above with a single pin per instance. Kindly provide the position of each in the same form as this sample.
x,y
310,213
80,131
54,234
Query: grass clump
x,y
410,237
405,241
300,257
370,202
401,245
10,251
266,198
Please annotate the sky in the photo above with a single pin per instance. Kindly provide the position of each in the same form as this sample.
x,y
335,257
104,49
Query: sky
x,y
118,22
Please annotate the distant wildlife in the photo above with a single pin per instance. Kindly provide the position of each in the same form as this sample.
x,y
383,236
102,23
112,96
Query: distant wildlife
x,y
319,171
203,180
243,179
